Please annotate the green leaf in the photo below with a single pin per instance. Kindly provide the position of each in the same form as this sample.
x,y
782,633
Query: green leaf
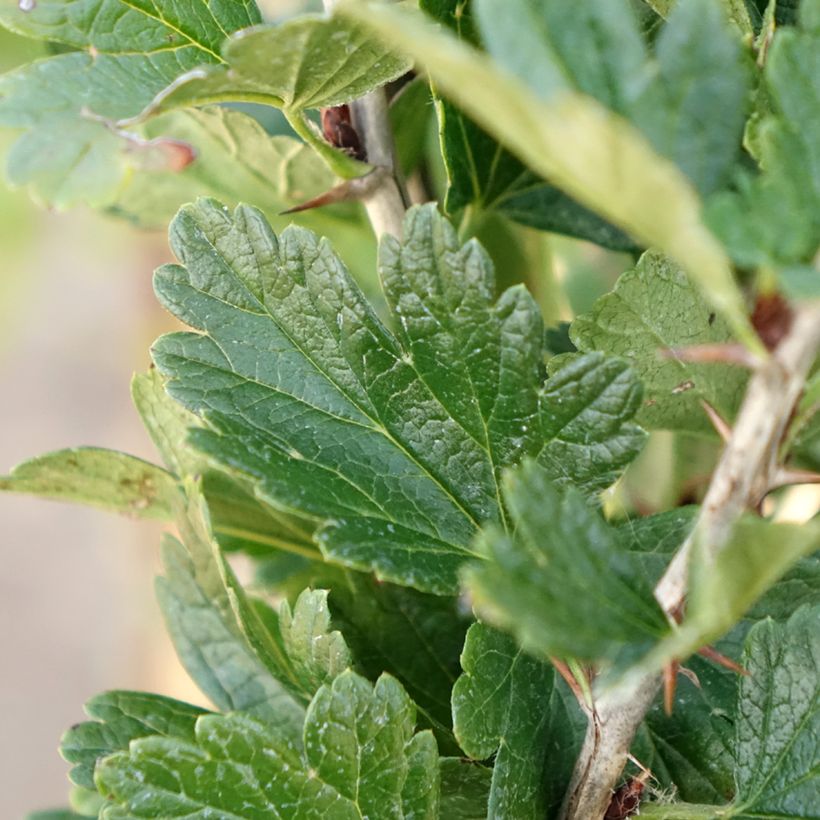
x,y
67,104
396,443
586,421
114,26
572,141
509,704
723,589
415,637
482,174
101,478
778,771
53,814
694,107
238,519
773,219
212,648
585,602
652,309
119,718
318,654
308,62
776,727
465,789
360,759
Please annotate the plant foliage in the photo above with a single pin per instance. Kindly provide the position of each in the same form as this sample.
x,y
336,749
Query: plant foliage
x,y
454,555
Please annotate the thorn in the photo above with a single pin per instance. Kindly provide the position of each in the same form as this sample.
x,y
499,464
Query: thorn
x,y
690,675
358,188
713,354
564,671
721,660
670,682
784,477
718,422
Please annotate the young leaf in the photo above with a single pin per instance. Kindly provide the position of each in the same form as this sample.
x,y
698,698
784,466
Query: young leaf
x,y
67,104
563,582
361,759
572,141
119,718
101,478
318,655
308,395
509,704
654,309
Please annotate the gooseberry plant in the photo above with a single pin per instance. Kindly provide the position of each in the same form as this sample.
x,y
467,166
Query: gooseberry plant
x,y
462,608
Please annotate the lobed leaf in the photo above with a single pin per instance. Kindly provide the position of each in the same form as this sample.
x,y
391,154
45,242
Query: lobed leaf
x,y
395,443
119,718
562,582
360,759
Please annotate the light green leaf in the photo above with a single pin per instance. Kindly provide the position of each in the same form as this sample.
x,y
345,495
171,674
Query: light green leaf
x,y
54,814
774,219
651,310
396,443
114,26
119,718
101,478
563,583
361,759
318,654
308,62
573,142
212,647
510,704
465,789
67,104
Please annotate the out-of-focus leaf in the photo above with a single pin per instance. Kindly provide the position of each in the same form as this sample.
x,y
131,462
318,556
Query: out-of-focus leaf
x,y
653,310
101,478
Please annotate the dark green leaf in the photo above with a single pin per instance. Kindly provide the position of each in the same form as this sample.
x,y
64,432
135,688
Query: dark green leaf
x,y
119,718
654,309
396,443
360,759
465,789
509,704
415,637
563,583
